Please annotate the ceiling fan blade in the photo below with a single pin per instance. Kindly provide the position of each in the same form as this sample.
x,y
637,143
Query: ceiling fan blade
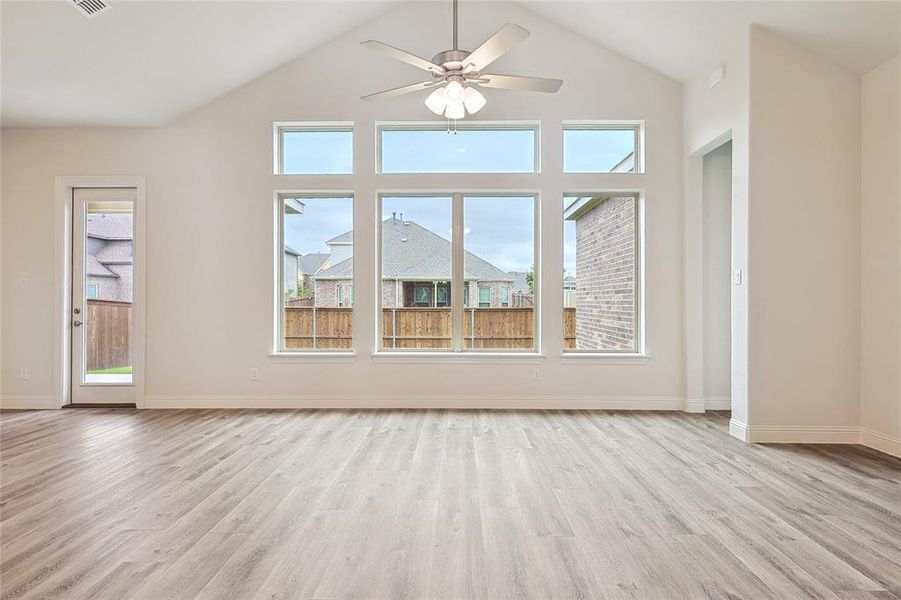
x,y
400,91
404,56
494,47
515,82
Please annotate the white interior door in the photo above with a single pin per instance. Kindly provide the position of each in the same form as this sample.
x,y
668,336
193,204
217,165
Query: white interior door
x,y
103,267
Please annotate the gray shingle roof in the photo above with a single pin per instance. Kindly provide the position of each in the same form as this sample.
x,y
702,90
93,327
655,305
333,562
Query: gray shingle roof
x,y
291,251
345,238
520,283
108,226
310,263
410,251
95,269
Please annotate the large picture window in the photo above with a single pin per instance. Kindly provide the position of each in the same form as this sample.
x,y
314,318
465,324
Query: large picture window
x,y
601,273
457,272
469,148
316,258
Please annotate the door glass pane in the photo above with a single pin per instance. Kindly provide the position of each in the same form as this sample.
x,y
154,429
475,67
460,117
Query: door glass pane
x,y
499,254
108,288
416,271
317,255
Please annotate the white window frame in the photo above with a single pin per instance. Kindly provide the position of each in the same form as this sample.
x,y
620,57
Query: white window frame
x,y
457,281
279,128
637,126
534,126
640,349
279,269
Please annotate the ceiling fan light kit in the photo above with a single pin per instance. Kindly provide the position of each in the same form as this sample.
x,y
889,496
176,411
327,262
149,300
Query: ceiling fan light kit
x,y
456,73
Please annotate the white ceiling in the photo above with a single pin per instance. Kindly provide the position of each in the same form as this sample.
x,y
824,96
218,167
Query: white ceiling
x,y
684,39
145,62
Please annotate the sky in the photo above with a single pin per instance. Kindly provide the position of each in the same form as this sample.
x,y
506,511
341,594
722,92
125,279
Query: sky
x,y
498,229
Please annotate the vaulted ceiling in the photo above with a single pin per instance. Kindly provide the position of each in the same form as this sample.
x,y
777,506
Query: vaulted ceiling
x,y
145,62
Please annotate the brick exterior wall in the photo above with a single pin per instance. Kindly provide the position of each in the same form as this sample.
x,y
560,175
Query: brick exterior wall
x,y
605,276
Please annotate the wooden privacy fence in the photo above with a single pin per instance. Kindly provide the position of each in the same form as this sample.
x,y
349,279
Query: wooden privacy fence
x,y
108,334
419,328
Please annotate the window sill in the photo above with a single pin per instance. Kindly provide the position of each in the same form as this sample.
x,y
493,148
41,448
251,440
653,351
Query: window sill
x,y
312,357
471,358
608,358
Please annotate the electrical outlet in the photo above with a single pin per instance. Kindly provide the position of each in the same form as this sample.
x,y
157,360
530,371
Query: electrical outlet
x,y
254,374
536,374
23,373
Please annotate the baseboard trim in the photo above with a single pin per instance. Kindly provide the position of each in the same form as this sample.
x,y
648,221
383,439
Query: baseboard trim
x,y
804,434
462,402
26,402
694,405
718,403
739,430
880,441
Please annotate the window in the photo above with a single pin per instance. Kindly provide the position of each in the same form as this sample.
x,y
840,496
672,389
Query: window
x,y
484,297
499,245
602,258
316,255
435,252
314,148
469,148
599,148
92,291
416,271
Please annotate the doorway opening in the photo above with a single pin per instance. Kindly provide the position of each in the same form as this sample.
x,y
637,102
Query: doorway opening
x,y
102,337
717,277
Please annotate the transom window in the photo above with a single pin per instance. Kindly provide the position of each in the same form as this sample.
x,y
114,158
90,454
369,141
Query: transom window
x,y
314,148
467,148
602,147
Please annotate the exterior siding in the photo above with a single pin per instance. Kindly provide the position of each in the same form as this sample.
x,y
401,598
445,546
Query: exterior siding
x,y
605,281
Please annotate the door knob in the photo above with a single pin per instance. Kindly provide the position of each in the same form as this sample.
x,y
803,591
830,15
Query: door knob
x,y
76,323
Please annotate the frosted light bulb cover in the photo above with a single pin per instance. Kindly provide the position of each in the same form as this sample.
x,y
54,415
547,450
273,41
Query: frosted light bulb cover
x,y
473,100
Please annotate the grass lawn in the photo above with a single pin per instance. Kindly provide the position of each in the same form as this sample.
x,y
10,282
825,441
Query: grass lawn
x,y
113,371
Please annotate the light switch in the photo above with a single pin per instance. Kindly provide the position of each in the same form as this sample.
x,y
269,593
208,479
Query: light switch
x,y
23,284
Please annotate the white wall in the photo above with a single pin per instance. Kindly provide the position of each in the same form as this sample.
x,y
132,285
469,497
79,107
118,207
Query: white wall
x,y
717,277
880,387
713,116
209,183
804,232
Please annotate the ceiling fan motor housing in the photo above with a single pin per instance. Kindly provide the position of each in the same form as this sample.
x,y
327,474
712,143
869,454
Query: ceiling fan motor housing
x,y
451,60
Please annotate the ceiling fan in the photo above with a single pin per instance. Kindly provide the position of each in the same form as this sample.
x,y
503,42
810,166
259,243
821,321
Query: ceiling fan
x,y
456,73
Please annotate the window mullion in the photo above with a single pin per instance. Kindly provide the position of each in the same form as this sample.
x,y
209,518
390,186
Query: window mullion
x,y
457,273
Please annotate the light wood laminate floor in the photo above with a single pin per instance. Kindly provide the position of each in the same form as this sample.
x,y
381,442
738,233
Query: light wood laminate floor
x,y
435,504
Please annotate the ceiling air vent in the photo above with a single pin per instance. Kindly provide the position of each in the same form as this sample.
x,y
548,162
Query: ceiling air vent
x,y
90,8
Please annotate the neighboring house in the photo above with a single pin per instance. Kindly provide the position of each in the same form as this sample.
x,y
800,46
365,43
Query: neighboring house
x,y
292,271
416,269
109,261
309,265
605,280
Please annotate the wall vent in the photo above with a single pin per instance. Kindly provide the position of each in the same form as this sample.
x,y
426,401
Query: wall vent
x,y
90,8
